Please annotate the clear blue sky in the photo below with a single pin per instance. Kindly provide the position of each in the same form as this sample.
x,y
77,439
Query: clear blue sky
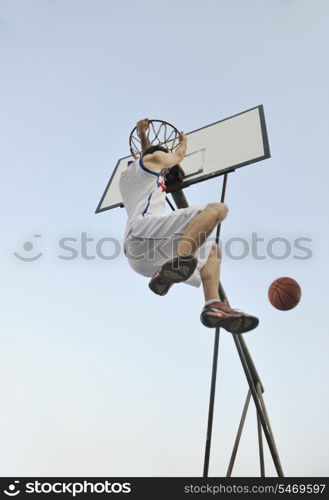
x,y
98,376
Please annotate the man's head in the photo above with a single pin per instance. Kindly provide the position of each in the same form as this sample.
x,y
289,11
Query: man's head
x,y
153,149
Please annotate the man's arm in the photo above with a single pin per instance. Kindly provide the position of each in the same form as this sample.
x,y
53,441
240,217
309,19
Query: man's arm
x,y
142,126
159,160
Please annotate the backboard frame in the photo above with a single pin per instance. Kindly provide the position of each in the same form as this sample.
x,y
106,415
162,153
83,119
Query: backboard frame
x,y
209,175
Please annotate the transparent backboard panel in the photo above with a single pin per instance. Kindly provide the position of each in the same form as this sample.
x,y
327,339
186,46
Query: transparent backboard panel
x,y
212,150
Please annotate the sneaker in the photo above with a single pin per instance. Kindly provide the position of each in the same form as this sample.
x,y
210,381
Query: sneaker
x,y
173,271
158,285
219,314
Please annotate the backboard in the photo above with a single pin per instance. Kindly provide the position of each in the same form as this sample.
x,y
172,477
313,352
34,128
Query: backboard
x,y
212,150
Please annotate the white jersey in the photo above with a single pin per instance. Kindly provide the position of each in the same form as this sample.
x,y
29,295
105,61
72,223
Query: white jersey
x,y
143,192
151,232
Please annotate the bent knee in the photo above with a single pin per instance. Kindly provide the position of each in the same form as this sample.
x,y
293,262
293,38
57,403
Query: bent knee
x,y
212,206
217,210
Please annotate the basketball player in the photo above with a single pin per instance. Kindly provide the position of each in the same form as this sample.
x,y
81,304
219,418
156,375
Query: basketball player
x,y
173,248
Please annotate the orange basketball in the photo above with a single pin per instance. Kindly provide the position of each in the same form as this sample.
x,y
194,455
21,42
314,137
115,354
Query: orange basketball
x,y
284,293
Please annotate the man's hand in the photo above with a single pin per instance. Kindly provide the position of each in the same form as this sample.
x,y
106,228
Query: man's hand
x,y
158,161
182,138
142,126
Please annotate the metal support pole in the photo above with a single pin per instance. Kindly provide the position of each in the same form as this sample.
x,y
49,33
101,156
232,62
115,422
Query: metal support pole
x,y
262,402
214,367
263,418
238,436
253,380
260,444
180,199
170,204
255,385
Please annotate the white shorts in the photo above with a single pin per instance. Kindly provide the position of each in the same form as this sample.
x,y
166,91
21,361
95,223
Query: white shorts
x,y
153,240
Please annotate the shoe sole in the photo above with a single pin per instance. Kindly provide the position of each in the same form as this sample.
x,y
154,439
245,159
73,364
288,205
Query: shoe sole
x,y
178,269
174,271
241,324
159,289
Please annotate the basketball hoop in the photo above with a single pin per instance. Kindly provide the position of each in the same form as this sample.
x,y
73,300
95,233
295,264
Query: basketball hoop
x,y
212,150
158,133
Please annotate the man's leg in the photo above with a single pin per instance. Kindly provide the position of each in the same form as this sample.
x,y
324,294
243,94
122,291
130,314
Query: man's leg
x,y
210,275
216,313
183,265
200,227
